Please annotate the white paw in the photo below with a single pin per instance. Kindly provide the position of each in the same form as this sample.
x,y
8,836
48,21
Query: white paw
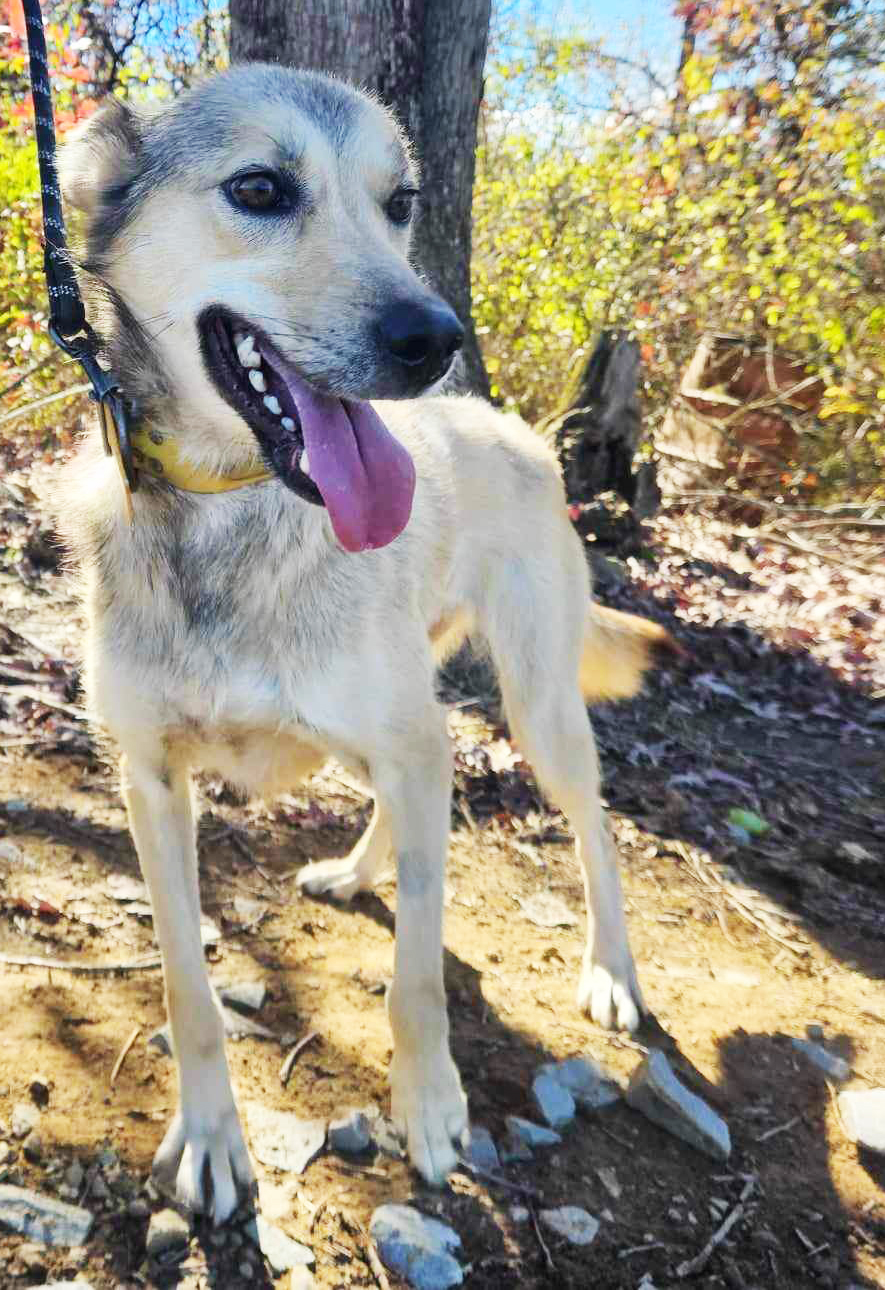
x,y
611,997
204,1156
429,1110
340,879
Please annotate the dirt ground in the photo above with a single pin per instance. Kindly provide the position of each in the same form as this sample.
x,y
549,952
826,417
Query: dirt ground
x,y
742,941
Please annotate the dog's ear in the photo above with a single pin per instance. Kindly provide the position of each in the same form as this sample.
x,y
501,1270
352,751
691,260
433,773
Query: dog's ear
x,y
101,156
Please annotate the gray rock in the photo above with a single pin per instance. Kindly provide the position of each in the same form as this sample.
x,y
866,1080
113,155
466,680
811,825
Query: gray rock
x,y
530,1134
43,1218
657,1093
481,1150
554,1103
24,1119
864,1114
576,1225
244,996
835,1068
587,1082
167,1231
279,1249
74,1175
417,1248
282,1140
138,1208
351,1134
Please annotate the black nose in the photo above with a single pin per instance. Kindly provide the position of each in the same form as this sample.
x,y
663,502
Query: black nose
x,y
424,338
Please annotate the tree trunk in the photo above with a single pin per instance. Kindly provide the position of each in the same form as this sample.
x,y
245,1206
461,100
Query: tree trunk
x,y
424,58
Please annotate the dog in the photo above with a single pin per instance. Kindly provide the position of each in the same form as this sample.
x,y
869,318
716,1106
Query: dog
x,y
309,539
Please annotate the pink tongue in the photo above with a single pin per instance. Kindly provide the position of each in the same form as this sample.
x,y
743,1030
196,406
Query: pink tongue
x,y
366,477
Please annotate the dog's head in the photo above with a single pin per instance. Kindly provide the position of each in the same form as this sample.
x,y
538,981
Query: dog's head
x,y
254,235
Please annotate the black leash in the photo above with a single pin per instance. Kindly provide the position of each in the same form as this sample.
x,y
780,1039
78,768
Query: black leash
x,y
68,326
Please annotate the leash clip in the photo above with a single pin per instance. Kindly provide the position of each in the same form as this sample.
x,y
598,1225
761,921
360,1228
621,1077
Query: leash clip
x,y
112,409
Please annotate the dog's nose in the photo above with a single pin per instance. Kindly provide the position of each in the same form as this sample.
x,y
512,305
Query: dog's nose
x,y
423,337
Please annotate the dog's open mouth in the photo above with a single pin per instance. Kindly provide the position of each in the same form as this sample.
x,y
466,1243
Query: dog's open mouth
x,y
334,452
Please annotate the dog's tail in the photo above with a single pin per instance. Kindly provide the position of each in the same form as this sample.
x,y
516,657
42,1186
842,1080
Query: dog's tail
x,y
618,649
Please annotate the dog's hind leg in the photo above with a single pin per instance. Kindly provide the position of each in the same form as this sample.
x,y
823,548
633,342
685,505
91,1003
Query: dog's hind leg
x,y
204,1144
427,1102
343,878
535,627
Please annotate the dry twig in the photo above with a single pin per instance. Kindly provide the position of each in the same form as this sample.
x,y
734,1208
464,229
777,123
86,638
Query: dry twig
x,y
691,1266
83,969
292,1056
550,1264
118,1064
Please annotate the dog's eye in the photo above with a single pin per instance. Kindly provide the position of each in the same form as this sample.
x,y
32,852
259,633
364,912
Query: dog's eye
x,y
399,207
258,191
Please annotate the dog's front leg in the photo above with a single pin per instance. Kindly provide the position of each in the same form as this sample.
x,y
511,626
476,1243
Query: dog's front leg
x,y
204,1144
427,1102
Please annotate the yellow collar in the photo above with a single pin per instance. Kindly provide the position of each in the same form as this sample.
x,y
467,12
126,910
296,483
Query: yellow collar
x,y
161,459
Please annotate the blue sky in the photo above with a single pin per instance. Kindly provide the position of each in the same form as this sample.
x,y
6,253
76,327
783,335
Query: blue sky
x,y
631,28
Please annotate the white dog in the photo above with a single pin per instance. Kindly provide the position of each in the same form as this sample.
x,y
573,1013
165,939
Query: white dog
x,y
299,559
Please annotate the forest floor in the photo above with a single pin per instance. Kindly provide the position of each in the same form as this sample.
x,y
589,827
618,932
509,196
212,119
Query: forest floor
x,y
743,940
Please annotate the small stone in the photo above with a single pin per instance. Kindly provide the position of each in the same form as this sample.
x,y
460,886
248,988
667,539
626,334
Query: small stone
x,y
246,1270
555,1104
416,1247
283,1141
33,1147
530,1134
351,1134
546,910
587,1082
43,1218
657,1093
864,1114
835,1068
107,1158
814,1030
24,1119
576,1225
138,1208
481,1150
167,1231
39,1091
518,1213
245,996
99,1189
74,1175
279,1249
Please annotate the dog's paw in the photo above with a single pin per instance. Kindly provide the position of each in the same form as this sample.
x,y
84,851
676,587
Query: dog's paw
x,y
429,1110
611,998
340,879
204,1158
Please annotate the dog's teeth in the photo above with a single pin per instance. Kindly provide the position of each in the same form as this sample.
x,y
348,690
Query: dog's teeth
x,y
246,351
288,423
272,404
257,381
304,463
